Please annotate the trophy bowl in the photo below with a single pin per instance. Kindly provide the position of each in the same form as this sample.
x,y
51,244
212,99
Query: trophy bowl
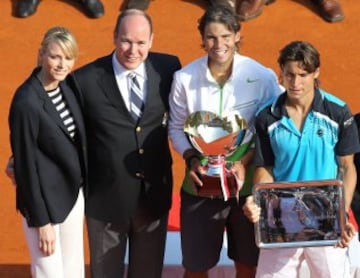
x,y
216,138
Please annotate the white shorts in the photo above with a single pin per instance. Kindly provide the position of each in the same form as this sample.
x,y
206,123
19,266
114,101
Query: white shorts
x,y
323,262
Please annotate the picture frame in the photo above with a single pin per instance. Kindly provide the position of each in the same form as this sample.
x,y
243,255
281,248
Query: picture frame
x,y
299,214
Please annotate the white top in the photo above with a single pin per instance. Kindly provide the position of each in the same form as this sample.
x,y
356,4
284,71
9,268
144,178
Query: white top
x,y
194,89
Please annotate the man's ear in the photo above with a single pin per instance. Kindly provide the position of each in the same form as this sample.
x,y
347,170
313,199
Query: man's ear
x,y
317,73
237,37
151,40
39,57
114,37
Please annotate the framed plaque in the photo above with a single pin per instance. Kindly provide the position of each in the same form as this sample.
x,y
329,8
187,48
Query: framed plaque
x,y
299,214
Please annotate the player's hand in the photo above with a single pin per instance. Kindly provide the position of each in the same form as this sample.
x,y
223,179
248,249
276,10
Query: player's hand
x,y
347,235
196,170
251,209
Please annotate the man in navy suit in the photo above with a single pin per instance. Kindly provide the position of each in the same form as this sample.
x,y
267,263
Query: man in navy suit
x,y
130,176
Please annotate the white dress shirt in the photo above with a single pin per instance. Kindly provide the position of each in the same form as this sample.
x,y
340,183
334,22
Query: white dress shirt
x,y
123,80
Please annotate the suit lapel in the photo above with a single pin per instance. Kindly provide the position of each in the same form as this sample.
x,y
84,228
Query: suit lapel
x,y
153,80
48,106
74,109
110,88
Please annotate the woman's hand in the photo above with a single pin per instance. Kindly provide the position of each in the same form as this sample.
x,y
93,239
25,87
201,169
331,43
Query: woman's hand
x,y
9,170
47,239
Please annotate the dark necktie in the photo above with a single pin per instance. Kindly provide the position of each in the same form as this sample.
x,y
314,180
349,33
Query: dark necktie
x,y
136,97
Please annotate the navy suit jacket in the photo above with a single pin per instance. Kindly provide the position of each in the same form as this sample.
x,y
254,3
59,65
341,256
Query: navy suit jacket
x,y
129,162
49,165
357,155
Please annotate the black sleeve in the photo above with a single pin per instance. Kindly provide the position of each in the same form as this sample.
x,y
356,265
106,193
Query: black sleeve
x,y
357,155
23,122
348,138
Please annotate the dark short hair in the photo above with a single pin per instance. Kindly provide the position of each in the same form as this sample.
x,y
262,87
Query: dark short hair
x,y
128,12
302,52
219,14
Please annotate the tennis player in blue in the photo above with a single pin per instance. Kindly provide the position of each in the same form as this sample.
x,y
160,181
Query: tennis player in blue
x,y
304,134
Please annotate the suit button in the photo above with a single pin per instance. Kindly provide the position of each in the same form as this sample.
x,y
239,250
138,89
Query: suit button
x,y
141,151
138,129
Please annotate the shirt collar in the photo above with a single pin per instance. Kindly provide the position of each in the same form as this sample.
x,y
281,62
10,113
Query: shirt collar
x,y
210,78
278,106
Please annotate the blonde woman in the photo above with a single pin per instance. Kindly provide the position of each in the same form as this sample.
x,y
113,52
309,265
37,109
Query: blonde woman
x,y
48,144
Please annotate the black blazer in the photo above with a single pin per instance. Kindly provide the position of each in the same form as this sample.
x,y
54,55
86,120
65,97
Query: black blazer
x,y
129,162
49,165
357,155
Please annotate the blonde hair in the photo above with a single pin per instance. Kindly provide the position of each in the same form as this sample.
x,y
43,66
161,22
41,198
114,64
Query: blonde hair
x,y
64,38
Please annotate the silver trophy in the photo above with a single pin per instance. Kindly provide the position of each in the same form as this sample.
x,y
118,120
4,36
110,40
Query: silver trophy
x,y
299,214
216,138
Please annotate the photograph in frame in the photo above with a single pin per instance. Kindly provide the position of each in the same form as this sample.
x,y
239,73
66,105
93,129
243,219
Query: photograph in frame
x,y
299,214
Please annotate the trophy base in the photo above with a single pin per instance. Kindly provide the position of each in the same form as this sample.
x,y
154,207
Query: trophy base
x,y
212,187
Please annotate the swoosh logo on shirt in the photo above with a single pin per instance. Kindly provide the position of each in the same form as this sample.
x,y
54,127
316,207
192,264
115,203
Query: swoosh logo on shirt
x,y
249,80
